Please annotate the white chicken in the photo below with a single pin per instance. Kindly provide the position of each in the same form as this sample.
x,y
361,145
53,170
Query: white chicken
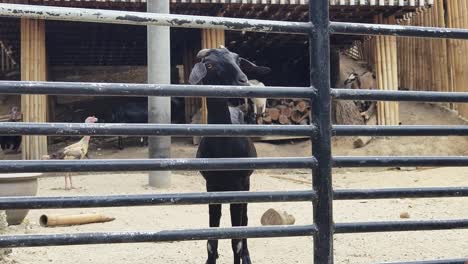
x,y
78,150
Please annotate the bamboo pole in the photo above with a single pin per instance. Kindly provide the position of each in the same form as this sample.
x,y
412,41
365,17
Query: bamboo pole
x,y
388,73
443,47
379,73
412,54
33,68
418,54
463,108
449,42
67,220
394,63
407,55
436,50
458,50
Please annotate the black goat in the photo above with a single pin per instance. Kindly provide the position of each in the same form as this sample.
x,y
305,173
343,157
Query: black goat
x,y
131,112
12,142
137,112
222,67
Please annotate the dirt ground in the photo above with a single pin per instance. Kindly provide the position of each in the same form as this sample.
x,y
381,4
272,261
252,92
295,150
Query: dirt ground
x,y
357,248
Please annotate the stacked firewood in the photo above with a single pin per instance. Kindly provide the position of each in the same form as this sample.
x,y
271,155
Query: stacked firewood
x,y
286,112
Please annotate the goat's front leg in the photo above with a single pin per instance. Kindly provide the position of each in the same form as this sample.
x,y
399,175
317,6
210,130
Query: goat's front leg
x,y
245,251
239,249
212,246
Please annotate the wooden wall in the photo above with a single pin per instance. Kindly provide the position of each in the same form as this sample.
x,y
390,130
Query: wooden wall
x,y
33,68
381,54
421,64
386,69
436,64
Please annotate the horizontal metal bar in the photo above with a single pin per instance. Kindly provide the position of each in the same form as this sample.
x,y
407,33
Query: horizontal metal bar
x,y
32,202
397,30
141,90
161,236
355,194
154,19
439,261
352,130
109,129
415,96
394,226
400,161
111,165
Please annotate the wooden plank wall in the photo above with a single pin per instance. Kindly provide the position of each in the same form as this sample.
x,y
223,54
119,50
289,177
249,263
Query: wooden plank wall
x,y
33,68
421,64
436,64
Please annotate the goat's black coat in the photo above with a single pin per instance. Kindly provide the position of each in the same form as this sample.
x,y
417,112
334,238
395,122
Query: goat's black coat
x,y
137,112
222,67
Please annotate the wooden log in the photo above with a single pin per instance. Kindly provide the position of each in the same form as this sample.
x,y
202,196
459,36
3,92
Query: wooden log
x,y
361,141
304,122
285,110
67,220
266,119
302,106
273,217
273,113
284,120
347,113
296,116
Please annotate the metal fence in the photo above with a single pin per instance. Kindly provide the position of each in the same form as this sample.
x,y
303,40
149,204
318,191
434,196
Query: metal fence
x,y
321,131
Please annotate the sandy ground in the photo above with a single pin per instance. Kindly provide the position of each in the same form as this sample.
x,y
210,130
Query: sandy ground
x,y
357,248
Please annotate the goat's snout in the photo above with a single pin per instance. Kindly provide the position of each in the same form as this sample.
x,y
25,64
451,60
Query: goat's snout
x,y
242,80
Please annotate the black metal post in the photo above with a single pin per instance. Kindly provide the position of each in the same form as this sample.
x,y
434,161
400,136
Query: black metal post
x,y
319,52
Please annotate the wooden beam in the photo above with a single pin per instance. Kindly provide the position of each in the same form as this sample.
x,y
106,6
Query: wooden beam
x,y
33,68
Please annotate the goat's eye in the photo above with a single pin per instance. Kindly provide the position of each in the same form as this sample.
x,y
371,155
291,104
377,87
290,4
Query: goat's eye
x,y
209,65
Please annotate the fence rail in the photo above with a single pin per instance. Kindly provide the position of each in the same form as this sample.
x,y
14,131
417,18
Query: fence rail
x,y
320,132
112,165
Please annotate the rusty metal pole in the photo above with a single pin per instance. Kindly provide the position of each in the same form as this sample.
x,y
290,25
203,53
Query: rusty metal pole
x,y
159,108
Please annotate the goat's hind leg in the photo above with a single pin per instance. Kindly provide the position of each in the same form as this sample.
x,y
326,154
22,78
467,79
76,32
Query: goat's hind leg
x,y
212,245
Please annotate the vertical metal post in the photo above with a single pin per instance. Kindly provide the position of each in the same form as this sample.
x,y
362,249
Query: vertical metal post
x,y
159,108
319,52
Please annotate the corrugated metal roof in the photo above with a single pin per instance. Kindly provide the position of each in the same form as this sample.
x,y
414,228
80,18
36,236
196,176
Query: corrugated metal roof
x,y
408,3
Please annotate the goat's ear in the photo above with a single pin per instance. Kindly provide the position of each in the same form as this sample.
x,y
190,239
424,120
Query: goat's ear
x,y
249,67
198,73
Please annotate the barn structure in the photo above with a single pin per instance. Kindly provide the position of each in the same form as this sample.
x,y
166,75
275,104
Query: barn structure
x,y
71,51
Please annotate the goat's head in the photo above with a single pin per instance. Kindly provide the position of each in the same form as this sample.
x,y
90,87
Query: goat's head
x,y
15,114
91,119
222,67
353,81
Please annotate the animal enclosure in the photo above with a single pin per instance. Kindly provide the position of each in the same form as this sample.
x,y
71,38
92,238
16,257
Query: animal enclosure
x,y
320,131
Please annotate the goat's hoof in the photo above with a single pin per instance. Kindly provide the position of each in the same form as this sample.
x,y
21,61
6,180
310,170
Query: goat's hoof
x,y
210,261
246,259
212,258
